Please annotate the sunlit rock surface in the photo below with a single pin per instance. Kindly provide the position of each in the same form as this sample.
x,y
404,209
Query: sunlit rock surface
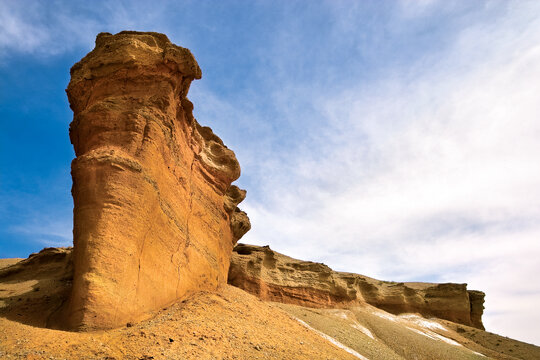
x,y
155,217
275,277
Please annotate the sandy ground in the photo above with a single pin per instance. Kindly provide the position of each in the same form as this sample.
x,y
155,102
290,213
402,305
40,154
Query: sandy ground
x,y
228,325
7,262
376,334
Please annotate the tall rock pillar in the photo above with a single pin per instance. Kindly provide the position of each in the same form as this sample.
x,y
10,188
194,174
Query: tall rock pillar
x,y
155,216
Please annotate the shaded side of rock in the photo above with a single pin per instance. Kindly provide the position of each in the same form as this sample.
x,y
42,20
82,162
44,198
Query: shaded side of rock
x,y
276,277
153,222
33,289
477,308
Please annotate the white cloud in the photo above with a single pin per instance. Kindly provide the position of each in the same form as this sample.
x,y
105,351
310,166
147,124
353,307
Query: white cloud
x,y
47,232
17,32
54,27
429,174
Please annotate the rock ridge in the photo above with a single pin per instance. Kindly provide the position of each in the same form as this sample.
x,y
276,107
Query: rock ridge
x,y
275,277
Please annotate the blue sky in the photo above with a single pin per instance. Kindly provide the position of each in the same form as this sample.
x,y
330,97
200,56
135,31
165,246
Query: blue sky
x,y
397,139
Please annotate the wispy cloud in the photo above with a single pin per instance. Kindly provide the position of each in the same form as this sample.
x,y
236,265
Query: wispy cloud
x,y
54,27
24,28
38,219
426,174
46,231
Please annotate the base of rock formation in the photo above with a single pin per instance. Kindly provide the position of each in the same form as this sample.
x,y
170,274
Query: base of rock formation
x,y
227,324
275,277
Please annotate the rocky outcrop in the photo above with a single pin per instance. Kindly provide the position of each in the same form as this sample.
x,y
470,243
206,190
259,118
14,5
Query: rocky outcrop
x,y
276,277
155,216
476,299
49,260
33,289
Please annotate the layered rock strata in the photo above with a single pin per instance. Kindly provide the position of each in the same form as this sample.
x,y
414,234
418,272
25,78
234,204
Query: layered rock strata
x,y
276,277
155,215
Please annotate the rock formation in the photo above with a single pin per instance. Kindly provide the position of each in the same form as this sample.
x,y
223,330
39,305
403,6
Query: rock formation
x,y
276,277
155,215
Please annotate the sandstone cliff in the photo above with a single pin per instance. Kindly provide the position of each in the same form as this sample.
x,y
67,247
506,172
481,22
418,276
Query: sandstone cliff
x,y
276,277
155,215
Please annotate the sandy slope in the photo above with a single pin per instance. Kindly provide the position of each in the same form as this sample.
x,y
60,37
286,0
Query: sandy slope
x,y
229,325
376,334
7,262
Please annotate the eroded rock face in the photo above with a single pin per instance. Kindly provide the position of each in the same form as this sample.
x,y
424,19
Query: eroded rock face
x,y
155,216
276,277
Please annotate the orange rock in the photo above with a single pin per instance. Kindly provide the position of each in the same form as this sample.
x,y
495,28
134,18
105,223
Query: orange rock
x,y
276,277
155,216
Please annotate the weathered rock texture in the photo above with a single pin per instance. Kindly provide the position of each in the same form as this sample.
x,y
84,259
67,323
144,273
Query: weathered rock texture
x,y
155,216
276,277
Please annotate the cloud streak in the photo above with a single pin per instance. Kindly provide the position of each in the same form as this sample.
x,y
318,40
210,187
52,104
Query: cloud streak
x,y
55,27
429,174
